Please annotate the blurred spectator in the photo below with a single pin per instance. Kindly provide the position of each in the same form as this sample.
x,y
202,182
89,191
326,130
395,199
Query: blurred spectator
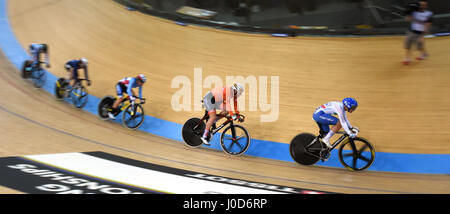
x,y
243,9
421,20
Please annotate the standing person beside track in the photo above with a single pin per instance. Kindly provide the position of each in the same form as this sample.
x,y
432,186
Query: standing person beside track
x,y
421,20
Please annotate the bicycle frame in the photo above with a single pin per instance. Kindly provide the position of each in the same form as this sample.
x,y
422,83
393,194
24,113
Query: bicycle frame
x,y
126,102
342,138
77,85
214,131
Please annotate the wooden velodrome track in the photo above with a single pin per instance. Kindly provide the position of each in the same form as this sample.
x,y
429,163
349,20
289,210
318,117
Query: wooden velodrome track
x,y
402,109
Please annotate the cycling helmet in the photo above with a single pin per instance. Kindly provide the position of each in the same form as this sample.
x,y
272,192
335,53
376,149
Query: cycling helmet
x,y
44,48
239,88
84,61
142,78
350,103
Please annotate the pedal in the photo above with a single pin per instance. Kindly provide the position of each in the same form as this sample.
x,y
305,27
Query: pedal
x,y
324,154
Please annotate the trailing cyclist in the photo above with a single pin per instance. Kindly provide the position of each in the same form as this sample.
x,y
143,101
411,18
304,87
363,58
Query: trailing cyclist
x,y
35,50
324,117
126,85
220,98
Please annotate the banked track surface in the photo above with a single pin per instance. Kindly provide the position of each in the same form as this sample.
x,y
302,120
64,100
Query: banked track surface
x,y
35,113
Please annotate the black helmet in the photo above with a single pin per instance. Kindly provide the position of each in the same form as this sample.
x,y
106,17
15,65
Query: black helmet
x,y
44,48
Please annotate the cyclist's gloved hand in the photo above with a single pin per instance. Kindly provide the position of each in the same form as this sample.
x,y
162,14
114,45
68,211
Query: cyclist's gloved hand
x,y
234,116
352,135
89,83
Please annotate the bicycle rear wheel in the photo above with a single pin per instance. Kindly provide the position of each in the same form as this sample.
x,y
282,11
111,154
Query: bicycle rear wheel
x,y
79,96
192,132
301,150
356,154
59,89
133,116
26,69
235,140
103,106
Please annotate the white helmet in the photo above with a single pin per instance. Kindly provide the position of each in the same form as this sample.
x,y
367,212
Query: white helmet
x,y
239,88
84,61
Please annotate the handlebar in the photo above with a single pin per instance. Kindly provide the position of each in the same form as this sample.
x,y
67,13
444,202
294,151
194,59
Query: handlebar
x,y
140,98
240,116
354,130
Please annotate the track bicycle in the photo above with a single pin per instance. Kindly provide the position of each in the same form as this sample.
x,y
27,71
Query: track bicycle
x,y
234,140
37,75
355,154
132,112
78,93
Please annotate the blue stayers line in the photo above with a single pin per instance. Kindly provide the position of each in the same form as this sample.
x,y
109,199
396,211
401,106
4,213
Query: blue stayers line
x,y
392,162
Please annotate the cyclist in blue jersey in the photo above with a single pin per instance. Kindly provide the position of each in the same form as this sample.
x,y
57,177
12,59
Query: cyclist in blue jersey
x,y
126,85
72,67
35,50
324,117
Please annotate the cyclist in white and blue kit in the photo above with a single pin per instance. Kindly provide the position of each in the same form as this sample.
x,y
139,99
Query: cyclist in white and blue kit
x,y
324,117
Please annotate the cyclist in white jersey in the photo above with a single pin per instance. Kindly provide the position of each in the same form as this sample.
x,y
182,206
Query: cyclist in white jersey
x,y
324,117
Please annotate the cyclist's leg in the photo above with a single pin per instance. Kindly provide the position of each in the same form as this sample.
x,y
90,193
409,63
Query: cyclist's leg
x,y
114,109
35,60
119,91
325,120
210,122
208,103
73,78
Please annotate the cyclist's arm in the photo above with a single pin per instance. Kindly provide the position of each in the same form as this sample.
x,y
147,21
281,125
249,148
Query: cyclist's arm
x,y
343,119
226,100
140,92
86,73
235,105
72,72
130,86
47,60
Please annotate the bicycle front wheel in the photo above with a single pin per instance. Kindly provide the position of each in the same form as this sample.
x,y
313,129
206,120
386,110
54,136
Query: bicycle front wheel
x,y
235,140
356,154
133,116
79,96
39,78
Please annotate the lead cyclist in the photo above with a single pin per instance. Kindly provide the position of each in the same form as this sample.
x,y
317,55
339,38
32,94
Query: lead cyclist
x,y
324,117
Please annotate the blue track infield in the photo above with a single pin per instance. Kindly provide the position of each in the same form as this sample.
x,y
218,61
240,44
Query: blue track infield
x,y
389,162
